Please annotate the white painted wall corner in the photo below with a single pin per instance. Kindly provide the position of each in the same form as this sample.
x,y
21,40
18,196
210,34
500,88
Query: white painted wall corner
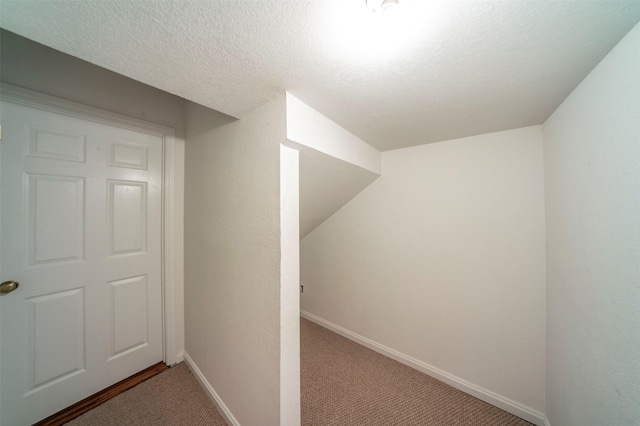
x,y
213,395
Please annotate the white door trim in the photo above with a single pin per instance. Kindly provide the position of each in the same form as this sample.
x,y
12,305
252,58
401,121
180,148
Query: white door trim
x,y
172,201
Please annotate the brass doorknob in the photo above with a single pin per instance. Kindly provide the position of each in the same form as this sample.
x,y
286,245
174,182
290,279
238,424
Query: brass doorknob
x,y
8,286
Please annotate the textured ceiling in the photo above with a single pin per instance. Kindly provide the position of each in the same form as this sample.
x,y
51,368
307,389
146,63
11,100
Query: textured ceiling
x,y
443,70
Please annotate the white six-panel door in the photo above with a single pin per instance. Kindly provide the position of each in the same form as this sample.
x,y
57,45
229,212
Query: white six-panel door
x,y
81,232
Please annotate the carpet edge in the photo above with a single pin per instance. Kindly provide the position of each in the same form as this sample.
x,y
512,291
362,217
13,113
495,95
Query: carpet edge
x,y
485,395
213,395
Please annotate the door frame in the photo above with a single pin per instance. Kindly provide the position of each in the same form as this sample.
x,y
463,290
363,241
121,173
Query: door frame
x,y
172,202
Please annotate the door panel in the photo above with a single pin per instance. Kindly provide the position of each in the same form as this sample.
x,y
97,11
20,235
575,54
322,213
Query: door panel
x,y
56,322
55,237
127,209
81,232
128,315
47,143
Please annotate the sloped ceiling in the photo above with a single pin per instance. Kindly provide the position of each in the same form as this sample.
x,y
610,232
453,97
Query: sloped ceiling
x,y
440,70
326,184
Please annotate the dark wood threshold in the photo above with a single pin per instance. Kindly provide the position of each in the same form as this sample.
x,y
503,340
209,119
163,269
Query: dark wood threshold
x,y
104,395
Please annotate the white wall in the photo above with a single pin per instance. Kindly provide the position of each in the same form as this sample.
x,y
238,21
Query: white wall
x,y
33,66
289,294
592,172
443,260
232,257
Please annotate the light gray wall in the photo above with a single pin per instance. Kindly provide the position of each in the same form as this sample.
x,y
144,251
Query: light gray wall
x,y
592,173
232,257
34,66
442,259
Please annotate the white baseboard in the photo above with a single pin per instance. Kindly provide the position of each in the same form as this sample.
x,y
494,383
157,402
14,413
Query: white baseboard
x,y
224,410
546,421
180,357
492,398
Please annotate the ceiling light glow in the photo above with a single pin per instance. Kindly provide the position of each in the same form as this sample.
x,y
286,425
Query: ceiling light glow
x,y
382,6
388,5
366,31
386,31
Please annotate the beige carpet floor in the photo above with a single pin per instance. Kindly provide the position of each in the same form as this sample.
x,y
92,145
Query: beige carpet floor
x,y
342,383
171,398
